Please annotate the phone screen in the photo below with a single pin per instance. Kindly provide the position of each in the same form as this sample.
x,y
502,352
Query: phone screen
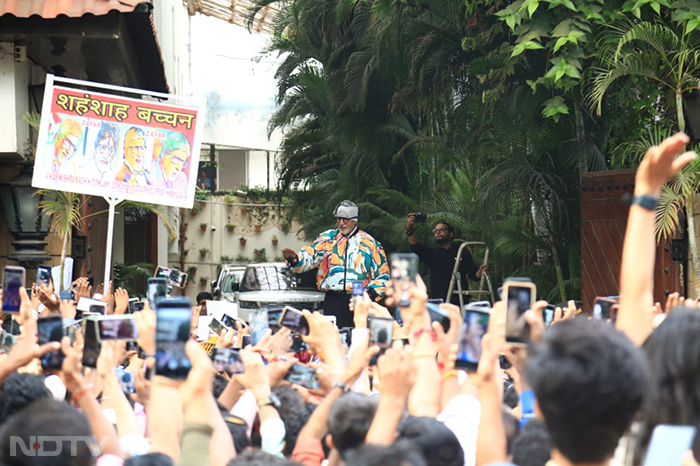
x,y
303,375
67,295
13,280
519,301
122,328
50,329
156,290
43,274
381,332
228,321
474,327
603,308
7,341
177,278
138,306
668,443
294,321
173,319
126,380
216,326
91,350
404,269
97,308
227,359
258,325
273,318
437,314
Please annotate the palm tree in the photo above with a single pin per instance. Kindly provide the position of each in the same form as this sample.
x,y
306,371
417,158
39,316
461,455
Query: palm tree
x,y
65,209
671,59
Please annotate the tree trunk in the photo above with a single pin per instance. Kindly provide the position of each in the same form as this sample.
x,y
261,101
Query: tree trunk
x,y
580,135
64,252
679,111
693,245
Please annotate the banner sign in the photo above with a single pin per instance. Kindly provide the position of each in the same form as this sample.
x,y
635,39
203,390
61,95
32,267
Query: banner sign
x,y
120,147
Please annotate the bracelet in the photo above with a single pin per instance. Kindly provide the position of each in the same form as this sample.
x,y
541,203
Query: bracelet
x,y
343,386
428,330
409,232
83,391
148,355
423,355
453,374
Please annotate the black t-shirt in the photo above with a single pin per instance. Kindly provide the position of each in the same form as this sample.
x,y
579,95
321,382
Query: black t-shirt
x,y
441,262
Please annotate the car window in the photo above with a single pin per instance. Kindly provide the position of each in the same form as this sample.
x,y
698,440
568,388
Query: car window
x,y
274,278
229,280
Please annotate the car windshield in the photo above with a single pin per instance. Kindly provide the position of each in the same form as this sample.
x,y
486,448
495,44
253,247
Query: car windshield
x,y
276,278
231,279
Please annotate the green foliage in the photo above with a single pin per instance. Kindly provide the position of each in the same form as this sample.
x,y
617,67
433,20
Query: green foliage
x,y
125,276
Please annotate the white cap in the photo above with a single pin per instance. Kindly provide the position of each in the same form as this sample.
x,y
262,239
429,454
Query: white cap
x,y
56,387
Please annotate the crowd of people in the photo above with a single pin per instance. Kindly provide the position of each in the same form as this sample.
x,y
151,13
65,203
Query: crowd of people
x,y
582,392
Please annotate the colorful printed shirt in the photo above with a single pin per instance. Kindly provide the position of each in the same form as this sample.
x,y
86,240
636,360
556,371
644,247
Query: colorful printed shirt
x,y
343,260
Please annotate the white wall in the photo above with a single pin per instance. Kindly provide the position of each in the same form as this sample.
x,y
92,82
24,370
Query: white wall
x,y
14,95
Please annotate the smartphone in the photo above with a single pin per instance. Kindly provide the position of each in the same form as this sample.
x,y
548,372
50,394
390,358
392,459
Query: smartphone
x,y
177,278
98,308
121,327
548,314
216,326
258,325
437,314
381,333
139,305
85,303
173,318
228,321
132,305
358,289
604,308
43,274
437,301
156,289
7,341
294,321
273,318
520,297
503,363
474,327
92,346
246,341
50,329
332,319
304,376
68,295
404,269
668,443
346,336
13,280
126,380
228,360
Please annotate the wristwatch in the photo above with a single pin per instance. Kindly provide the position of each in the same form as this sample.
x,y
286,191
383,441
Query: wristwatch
x,y
271,400
645,201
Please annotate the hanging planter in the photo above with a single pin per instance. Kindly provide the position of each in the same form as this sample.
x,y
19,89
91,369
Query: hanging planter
x,y
203,252
202,204
193,212
258,228
203,281
275,240
230,227
242,241
192,271
244,211
203,226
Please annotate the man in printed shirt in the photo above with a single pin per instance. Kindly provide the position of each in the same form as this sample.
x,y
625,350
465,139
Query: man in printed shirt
x,y
343,255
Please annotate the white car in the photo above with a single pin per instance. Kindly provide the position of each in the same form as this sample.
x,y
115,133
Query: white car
x,y
272,286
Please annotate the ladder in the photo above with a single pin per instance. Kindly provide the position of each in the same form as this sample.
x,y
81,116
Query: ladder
x,y
457,278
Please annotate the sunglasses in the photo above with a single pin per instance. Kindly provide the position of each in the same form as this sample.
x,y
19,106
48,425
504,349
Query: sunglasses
x,y
441,230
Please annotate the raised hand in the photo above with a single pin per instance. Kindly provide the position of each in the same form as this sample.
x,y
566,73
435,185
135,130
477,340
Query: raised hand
x,y
662,163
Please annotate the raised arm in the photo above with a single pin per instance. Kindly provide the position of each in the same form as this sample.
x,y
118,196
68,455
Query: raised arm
x,y
639,251
308,257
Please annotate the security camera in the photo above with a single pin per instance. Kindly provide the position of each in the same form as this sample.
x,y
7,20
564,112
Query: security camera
x,y
213,228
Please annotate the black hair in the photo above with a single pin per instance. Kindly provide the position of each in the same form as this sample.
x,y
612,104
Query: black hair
x,y
588,379
511,426
401,453
438,443
673,394
348,421
45,417
219,385
533,446
18,391
238,428
294,414
255,457
450,228
150,459
203,295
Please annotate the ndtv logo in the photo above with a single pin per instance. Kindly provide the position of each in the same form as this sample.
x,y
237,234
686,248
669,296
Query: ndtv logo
x,y
52,445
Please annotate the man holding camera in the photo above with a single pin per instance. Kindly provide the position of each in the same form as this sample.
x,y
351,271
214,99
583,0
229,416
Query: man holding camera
x,y
441,259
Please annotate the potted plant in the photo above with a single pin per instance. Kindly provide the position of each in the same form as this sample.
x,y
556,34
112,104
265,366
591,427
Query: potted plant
x,y
192,271
275,240
230,227
226,259
242,240
244,211
203,281
242,258
258,227
203,252
203,226
229,198
260,255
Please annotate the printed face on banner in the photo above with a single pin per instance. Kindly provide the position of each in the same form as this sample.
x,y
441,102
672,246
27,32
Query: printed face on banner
x,y
106,145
